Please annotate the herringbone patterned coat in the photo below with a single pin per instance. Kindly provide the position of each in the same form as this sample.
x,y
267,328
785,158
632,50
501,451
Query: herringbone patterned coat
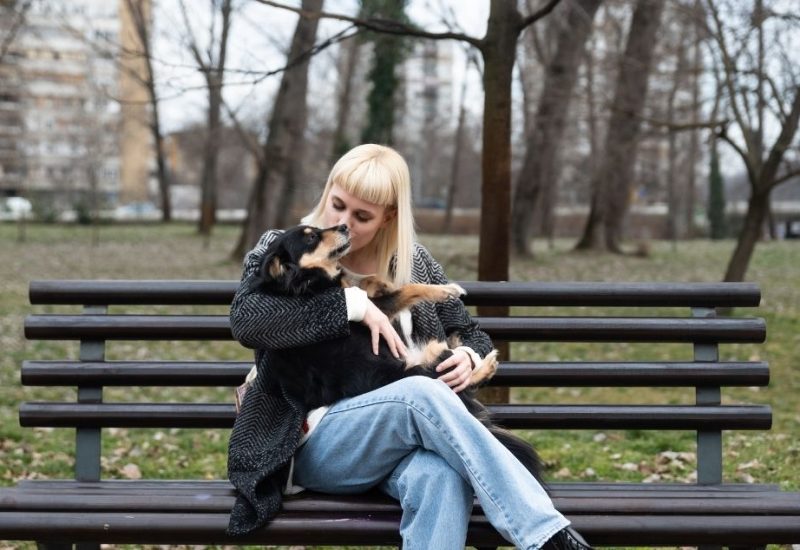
x,y
268,428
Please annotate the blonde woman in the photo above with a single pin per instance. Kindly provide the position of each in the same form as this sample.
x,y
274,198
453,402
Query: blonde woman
x,y
412,439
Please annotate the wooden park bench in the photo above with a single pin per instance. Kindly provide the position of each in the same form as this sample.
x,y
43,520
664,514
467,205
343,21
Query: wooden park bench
x,y
89,510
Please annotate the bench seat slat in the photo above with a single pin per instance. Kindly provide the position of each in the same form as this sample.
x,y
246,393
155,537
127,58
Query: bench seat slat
x,y
612,502
564,488
220,415
177,292
521,329
519,374
343,529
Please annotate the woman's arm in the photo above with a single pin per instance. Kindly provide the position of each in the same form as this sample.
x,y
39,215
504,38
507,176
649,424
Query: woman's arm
x,y
264,321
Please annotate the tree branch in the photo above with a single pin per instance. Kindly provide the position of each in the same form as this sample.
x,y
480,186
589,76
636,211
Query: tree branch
x,y
541,12
787,176
376,24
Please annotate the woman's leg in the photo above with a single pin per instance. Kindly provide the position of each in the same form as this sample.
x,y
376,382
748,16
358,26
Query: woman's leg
x,y
362,440
436,502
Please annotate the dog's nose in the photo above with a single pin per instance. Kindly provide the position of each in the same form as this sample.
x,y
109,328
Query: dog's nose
x,y
343,229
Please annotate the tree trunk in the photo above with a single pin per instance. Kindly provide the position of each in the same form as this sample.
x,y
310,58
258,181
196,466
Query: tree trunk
x,y
285,140
458,143
749,236
611,184
499,50
537,181
208,180
140,14
694,138
341,142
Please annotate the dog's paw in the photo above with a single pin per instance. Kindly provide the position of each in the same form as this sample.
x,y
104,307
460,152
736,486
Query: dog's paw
x,y
453,290
486,370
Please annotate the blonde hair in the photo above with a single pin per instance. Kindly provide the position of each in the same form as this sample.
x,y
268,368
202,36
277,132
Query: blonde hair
x,y
378,174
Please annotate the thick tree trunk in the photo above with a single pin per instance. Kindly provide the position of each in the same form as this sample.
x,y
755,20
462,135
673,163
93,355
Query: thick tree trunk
x,y
749,236
499,50
284,146
536,185
611,184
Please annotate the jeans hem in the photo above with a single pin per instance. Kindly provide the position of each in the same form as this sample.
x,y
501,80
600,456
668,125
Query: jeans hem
x,y
559,525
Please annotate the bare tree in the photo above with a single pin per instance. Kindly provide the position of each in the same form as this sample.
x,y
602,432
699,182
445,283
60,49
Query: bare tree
x,y
755,97
139,12
498,48
536,185
280,161
211,63
12,20
611,183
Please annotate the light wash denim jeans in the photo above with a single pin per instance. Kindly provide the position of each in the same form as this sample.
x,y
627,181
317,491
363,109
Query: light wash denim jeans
x,y
416,441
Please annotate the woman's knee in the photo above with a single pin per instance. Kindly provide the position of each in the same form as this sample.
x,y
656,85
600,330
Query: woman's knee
x,y
422,388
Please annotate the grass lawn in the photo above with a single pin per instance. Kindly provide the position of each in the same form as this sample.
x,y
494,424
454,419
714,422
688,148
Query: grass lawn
x,y
175,252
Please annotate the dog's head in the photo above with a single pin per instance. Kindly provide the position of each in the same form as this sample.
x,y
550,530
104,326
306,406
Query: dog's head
x,y
304,259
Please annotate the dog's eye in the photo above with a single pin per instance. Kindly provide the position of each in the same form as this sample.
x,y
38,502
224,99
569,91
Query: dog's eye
x,y
311,238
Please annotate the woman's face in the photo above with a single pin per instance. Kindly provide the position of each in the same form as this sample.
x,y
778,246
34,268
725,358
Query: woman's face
x,y
362,218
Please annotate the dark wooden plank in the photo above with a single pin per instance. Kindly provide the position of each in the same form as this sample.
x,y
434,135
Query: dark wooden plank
x,y
135,373
568,502
195,415
561,488
532,329
519,374
608,374
189,292
342,529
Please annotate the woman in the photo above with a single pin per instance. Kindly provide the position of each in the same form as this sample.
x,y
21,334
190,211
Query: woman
x,y
412,439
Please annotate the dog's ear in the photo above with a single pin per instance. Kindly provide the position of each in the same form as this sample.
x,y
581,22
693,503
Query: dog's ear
x,y
272,264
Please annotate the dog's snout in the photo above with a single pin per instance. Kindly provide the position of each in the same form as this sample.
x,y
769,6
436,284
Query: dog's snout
x,y
343,229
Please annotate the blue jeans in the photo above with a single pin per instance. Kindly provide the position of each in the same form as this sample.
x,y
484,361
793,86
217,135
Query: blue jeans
x,y
416,441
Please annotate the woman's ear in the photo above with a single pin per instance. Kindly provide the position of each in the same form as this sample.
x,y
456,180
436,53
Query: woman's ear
x,y
390,214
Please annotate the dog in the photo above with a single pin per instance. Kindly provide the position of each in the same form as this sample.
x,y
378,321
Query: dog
x,y
304,260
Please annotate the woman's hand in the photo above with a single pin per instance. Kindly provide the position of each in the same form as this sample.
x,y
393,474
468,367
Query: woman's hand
x,y
379,325
461,374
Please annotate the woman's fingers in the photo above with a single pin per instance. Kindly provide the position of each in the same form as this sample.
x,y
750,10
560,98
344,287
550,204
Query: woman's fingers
x,y
458,378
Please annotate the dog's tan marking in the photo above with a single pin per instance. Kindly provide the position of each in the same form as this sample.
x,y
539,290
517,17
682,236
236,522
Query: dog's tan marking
x,y
425,356
415,293
375,287
275,268
487,369
320,257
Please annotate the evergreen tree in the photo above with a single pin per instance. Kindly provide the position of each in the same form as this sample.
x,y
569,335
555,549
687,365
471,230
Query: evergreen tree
x,y
388,54
718,227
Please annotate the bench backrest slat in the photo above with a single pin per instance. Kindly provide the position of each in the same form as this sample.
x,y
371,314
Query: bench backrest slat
x,y
177,292
219,415
509,373
527,329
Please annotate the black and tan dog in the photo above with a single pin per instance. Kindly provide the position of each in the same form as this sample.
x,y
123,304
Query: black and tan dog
x,y
305,260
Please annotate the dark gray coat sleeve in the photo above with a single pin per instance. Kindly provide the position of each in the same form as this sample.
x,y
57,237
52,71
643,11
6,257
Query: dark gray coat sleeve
x,y
263,321
453,315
